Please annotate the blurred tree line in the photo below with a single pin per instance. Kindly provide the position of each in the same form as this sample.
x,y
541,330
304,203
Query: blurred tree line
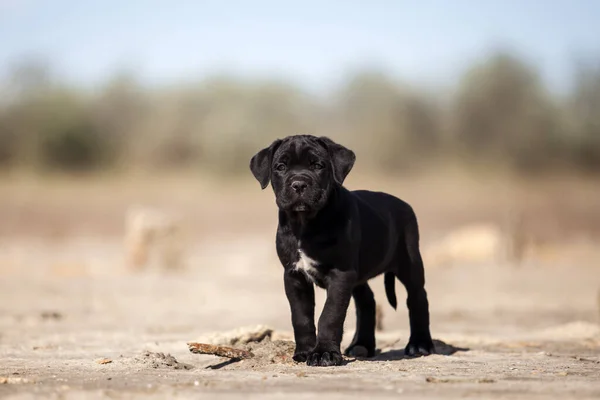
x,y
500,114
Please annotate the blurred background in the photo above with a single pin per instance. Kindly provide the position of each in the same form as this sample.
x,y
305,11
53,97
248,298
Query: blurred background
x,y
156,86
179,93
126,130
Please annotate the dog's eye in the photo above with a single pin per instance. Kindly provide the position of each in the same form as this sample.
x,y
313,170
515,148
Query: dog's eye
x,y
280,167
318,166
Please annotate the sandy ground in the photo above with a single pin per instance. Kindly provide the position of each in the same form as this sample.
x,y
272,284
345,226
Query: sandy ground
x,y
502,331
66,302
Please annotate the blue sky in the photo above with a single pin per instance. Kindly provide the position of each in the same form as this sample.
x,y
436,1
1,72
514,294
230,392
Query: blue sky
x,y
316,43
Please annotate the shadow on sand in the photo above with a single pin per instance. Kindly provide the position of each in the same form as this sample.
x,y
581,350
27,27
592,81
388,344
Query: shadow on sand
x,y
441,347
391,355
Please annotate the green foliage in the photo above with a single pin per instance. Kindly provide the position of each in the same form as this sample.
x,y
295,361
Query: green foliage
x,y
8,141
501,114
584,118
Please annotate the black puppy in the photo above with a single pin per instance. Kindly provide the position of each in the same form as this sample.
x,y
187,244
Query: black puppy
x,y
338,240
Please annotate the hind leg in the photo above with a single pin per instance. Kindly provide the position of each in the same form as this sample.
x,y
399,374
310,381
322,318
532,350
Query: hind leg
x,y
363,343
420,343
412,276
413,279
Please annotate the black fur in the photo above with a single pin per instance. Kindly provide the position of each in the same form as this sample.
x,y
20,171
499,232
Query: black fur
x,y
352,236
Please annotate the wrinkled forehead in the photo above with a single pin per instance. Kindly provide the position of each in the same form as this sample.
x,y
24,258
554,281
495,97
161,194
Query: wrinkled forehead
x,y
297,149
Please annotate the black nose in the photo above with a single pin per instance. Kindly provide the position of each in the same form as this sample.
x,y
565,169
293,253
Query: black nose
x,y
299,186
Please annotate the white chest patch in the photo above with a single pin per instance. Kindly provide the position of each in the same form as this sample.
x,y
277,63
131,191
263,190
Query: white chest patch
x,y
306,265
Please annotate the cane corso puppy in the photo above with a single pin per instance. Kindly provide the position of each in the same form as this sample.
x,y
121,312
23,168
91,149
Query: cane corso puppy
x,y
339,239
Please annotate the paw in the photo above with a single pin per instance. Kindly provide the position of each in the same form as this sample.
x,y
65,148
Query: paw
x,y
300,356
422,346
360,350
303,349
324,358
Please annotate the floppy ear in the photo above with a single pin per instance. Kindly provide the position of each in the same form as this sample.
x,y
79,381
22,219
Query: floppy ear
x,y
342,158
260,164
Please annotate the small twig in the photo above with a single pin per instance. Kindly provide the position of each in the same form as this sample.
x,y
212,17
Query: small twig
x,y
221,351
432,379
578,358
575,357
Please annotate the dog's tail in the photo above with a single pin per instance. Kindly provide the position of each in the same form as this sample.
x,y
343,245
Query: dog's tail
x,y
389,281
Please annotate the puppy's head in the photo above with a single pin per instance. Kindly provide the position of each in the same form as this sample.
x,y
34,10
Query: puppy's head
x,y
303,170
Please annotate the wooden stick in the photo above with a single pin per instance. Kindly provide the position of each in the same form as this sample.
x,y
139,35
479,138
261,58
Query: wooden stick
x,y
221,351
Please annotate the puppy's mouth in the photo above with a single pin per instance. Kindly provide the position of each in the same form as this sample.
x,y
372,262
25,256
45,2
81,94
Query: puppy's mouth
x,y
300,207
307,205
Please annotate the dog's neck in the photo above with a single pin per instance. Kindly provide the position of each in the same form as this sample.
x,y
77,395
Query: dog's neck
x,y
300,222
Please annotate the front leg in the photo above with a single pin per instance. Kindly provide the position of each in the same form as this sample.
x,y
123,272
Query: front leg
x,y
331,323
301,296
